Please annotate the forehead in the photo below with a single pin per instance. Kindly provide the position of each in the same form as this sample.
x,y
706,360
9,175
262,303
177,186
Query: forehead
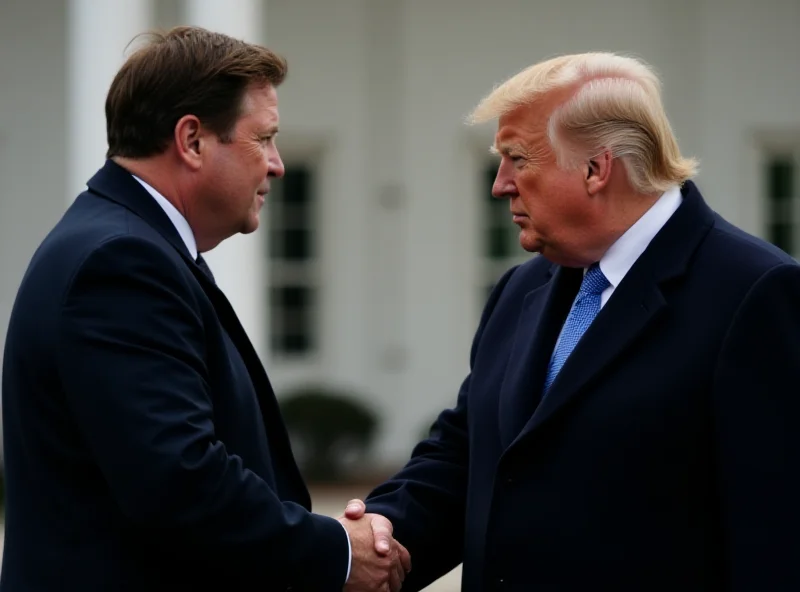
x,y
524,126
260,106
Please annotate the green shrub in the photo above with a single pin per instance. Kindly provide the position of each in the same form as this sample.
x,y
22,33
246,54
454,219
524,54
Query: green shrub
x,y
331,432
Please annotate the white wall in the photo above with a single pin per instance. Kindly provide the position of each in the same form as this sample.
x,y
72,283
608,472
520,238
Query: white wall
x,y
32,137
752,85
379,90
341,102
321,105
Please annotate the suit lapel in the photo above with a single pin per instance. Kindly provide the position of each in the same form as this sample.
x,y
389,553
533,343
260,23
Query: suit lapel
x,y
626,315
117,184
270,410
634,306
543,313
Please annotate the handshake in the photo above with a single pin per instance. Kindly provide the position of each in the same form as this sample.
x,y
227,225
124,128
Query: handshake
x,y
379,563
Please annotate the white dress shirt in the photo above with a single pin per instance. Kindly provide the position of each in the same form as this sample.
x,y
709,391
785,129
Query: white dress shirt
x,y
178,221
621,256
185,231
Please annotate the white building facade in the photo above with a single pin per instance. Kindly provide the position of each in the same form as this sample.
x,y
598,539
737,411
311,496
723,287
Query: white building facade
x,y
371,266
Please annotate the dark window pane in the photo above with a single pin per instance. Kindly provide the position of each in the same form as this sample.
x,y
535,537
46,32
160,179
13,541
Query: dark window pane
x,y
496,220
780,210
290,227
296,244
293,297
497,242
781,236
291,319
296,185
295,344
275,244
500,213
276,341
780,175
489,175
295,216
291,244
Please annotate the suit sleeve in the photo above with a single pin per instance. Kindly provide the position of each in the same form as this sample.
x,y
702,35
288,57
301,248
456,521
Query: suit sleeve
x,y
131,359
756,400
426,500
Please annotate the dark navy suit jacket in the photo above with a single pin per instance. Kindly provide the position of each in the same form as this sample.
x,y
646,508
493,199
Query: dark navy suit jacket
x,y
665,456
144,449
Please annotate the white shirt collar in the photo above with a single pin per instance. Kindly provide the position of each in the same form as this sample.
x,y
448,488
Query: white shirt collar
x,y
180,223
621,256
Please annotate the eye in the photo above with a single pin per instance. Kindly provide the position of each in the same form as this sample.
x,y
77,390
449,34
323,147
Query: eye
x,y
516,159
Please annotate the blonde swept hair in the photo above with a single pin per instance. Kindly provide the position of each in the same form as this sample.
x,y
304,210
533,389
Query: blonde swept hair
x,y
614,103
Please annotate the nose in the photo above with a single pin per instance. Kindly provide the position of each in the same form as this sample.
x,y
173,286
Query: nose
x,y
275,165
504,186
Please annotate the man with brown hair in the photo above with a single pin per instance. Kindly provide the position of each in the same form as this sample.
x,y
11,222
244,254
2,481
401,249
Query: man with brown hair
x,y
144,446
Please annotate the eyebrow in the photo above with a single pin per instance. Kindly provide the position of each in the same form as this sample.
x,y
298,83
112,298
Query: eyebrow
x,y
505,148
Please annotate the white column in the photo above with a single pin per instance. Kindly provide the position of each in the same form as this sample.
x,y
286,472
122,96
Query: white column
x,y
97,38
388,230
239,263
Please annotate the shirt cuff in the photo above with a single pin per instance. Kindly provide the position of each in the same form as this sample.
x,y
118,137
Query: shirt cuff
x,y
349,554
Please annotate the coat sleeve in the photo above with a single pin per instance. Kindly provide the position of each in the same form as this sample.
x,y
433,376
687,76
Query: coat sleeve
x,y
426,499
756,415
132,352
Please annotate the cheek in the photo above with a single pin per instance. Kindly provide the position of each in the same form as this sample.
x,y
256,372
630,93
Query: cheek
x,y
533,194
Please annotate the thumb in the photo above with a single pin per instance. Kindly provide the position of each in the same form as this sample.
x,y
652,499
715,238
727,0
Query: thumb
x,y
382,534
355,509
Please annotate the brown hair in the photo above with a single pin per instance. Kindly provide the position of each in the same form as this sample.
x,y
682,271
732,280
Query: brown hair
x,y
187,70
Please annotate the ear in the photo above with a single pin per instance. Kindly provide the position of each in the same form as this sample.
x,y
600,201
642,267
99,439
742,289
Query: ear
x,y
598,172
190,141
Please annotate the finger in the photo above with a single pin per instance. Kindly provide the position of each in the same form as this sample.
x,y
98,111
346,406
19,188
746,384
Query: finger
x,y
382,534
404,557
395,582
398,569
355,509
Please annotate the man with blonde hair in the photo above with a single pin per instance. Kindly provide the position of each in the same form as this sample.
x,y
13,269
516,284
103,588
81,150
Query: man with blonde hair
x,y
627,421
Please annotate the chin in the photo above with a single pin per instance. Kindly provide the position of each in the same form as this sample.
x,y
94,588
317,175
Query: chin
x,y
532,244
250,225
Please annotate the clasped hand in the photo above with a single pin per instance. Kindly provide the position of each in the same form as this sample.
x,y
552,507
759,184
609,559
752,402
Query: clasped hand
x,y
379,563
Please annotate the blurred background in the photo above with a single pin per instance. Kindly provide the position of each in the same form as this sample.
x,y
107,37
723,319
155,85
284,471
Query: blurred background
x,y
363,287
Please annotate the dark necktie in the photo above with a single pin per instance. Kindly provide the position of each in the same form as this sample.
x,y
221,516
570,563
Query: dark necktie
x,y
201,263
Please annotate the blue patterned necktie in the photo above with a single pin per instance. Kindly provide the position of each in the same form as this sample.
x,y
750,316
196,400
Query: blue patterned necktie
x,y
584,310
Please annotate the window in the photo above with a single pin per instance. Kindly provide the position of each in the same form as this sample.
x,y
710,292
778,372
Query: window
x,y
500,248
294,293
782,193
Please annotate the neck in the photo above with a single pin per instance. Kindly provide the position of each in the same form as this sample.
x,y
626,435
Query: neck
x,y
177,189
625,208
155,173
